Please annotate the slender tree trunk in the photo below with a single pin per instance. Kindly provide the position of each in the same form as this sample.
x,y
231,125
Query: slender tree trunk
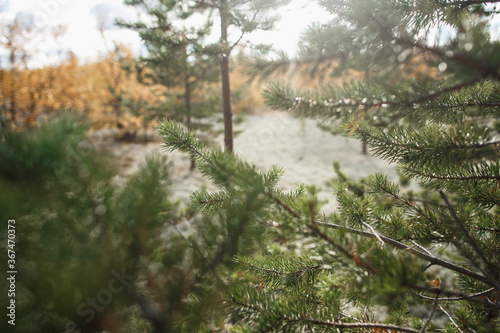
x,y
187,96
13,100
224,70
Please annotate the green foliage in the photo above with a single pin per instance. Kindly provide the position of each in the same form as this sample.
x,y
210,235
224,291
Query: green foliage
x,y
174,54
388,258
97,254
260,259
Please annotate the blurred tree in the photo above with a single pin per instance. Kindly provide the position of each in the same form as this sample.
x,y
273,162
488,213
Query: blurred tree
x,y
93,254
16,38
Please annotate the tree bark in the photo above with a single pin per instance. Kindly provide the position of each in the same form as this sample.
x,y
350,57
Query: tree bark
x,y
364,149
13,100
187,96
224,69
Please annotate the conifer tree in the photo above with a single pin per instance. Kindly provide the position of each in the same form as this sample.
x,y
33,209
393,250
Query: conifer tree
x,y
95,254
388,259
244,16
173,51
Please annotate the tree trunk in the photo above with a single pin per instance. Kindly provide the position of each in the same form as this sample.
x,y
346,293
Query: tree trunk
x,y
364,149
13,101
187,96
224,70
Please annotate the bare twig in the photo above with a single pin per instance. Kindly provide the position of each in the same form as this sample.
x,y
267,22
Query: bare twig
x,y
430,258
421,247
451,319
436,303
341,325
457,296
382,243
492,271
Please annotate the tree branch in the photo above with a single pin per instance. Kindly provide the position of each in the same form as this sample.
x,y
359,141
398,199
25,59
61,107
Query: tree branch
x,y
451,319
436,303
458,296
433,176
430,258
341,325
484,68
493,272
425,256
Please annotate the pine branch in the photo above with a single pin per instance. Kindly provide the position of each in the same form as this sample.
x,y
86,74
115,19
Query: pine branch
x,y
313,227
462,178
278,318
407,101
209,203
489,266
380,184
175,137
474,64
451,319
458,296
430,258
427,322
341,325
349,254
281,270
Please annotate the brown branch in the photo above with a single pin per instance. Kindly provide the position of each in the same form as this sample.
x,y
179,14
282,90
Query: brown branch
x,y
436,303
339,325
342,325
357,259
458,296
433,176
493,272
430,258
314,228
283,205
486,69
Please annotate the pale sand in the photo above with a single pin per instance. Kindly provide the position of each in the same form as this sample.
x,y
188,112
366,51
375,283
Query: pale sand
x,y
305,152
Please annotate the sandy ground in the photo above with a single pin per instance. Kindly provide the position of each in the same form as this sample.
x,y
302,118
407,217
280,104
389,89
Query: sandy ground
x,y
271,138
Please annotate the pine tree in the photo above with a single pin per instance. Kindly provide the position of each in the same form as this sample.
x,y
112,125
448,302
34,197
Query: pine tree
x,y
244,16
173,52
94,254
388,259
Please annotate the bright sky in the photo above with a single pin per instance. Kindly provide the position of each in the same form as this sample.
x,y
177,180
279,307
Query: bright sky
x,y
83,38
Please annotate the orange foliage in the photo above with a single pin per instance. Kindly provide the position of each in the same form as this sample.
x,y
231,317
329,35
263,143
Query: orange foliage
x,y
96,89
252,100
114,91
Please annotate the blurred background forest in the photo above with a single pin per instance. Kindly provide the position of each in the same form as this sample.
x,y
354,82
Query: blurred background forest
x,y
115,91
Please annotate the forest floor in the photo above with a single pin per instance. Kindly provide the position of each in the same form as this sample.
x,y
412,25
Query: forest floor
x,y
269,138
